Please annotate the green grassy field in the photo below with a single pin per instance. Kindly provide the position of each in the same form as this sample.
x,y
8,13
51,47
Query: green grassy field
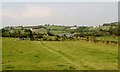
x,y
107,38
58,55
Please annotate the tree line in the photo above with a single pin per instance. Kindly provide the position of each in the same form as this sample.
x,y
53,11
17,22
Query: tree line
x,y
81,31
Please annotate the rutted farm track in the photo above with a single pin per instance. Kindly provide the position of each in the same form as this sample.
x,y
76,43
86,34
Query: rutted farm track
x,y
61,54
69,58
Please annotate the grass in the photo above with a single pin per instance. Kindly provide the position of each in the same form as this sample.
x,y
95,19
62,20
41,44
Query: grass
x,y
58,55
58,32
108,38
88,54
41,30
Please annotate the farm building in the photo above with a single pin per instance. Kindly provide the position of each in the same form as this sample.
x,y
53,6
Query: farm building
x,y
67,35
73,27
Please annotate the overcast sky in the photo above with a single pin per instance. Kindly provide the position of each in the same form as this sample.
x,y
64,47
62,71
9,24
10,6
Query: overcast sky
x,y
62,13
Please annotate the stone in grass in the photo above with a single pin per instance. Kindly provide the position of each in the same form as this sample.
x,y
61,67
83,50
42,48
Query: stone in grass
x,y
72,67
36,56
20,52
9,61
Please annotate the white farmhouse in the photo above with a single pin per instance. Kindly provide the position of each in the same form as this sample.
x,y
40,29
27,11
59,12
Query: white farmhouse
x,y
73,27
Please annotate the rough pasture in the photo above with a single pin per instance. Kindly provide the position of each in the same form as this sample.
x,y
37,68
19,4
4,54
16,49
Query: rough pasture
x,y
58,55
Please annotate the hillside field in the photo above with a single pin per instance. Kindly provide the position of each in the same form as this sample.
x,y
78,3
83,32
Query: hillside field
x,y
58,55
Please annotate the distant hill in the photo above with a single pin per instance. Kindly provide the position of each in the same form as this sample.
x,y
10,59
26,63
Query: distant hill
x,y
105,29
